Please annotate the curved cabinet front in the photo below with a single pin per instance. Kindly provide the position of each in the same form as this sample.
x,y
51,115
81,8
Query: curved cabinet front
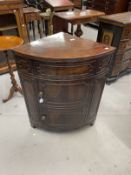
x,y
63,79
62,96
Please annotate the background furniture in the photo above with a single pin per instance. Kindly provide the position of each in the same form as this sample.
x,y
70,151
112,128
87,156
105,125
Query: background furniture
x,y
129,6
108,6
63,86
56,6
116,31
31,16
35,3
59,5
7,43
11,17
77,3
75,17
47,21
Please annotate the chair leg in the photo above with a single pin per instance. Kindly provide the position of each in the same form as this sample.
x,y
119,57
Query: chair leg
x,y
72,29
33,28
43,24
28,33
39,28
17,33
46,27
30,25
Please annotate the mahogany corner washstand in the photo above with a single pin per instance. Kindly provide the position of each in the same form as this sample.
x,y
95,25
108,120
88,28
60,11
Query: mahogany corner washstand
x,y
63,77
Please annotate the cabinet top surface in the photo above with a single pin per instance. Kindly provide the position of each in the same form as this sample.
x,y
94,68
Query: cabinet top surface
x,y
10,2
62,46
120,19
59,3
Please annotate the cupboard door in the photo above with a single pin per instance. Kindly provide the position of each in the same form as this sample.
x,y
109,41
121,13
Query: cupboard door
x,y
66,104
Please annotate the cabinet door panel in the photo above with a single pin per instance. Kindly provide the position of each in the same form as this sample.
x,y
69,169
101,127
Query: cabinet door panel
x,y
66,104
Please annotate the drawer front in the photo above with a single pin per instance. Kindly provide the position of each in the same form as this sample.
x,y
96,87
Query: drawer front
x,y
73,71
63,71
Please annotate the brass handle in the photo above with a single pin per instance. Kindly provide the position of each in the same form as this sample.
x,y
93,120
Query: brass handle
x,y
41,99
43,117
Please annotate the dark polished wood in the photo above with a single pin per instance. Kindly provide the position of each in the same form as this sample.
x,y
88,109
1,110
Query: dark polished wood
x,y
59,5
7,43
76,17
108,6
116,31
129,6
63,79
77,3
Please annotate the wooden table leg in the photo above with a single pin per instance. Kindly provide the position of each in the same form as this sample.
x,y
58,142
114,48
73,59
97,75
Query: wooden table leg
x,y
15,87
33,28
72,29
78,31
46,27
39,28
28,33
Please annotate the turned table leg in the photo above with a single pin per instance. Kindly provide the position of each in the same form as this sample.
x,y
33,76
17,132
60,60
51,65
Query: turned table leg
x,y
15,87
78,31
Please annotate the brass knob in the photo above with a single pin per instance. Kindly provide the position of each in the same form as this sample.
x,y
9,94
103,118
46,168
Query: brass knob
x,y
43,117
41,99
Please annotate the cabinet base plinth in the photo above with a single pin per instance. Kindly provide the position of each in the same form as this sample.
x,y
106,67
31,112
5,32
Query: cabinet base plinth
x,y
61,128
